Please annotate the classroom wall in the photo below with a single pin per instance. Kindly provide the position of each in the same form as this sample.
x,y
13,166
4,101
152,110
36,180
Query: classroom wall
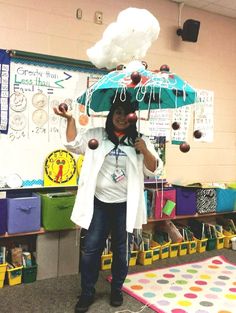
x,y
51,27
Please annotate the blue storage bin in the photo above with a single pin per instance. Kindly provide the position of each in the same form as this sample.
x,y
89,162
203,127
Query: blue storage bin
x,y
186,201
23,213
3,216
226,200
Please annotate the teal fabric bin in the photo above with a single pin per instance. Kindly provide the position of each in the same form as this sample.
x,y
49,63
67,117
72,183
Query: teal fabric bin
x,y
225,200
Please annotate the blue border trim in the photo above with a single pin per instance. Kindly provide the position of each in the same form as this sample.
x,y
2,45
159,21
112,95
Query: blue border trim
x,y
58,66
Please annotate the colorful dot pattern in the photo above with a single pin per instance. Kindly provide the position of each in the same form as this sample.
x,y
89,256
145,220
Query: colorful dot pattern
x,y
207,286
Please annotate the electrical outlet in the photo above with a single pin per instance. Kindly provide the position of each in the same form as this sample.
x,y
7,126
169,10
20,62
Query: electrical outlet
x,y
98,17
79,14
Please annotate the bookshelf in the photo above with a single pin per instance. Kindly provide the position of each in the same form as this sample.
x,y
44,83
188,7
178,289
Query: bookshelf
x,y
43,241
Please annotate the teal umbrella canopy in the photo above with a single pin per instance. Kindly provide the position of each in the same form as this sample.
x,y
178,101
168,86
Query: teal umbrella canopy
x,y
147,90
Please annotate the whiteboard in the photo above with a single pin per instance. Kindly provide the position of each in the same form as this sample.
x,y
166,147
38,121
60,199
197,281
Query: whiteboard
x,y
34,130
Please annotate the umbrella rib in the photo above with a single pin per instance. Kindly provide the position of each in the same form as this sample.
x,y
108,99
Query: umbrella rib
x,y
184,92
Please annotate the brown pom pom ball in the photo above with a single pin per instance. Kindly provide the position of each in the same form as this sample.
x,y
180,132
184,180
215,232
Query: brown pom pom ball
x,y
63,107
132,118
184,147
136,77
197,134
175,126
93,144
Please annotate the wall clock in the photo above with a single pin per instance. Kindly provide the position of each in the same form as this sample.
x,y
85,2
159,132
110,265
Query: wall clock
x,y
60,169
79,163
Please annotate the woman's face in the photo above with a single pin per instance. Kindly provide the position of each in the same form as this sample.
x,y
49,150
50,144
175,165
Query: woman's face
x,y
119,119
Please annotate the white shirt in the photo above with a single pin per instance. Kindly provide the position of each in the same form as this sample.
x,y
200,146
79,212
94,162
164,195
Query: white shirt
x,y
107,189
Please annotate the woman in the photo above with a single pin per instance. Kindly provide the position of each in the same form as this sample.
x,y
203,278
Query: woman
x,y
110,198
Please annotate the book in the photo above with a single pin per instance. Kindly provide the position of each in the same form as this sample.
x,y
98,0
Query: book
x,y
150,202
16,256
2,255
197,228
219,228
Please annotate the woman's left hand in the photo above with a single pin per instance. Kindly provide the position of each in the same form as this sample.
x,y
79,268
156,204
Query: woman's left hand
x,y
140,145
148,158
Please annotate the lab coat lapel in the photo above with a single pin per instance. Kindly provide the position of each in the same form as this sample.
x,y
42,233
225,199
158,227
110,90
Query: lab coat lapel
x,y
107,146
131,154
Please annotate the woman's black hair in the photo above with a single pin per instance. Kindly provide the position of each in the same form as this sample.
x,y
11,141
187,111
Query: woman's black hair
x,y
131,132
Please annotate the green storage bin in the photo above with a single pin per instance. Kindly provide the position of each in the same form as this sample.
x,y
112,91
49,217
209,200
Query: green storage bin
x,y
211,244
29,274
56,210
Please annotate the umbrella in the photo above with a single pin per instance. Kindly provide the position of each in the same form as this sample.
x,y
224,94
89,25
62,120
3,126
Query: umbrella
x,y
148,90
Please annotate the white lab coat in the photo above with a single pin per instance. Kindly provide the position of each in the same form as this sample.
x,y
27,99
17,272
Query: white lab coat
x,y
82,212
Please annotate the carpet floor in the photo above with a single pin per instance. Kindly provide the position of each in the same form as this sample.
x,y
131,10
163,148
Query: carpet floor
x,y
59,295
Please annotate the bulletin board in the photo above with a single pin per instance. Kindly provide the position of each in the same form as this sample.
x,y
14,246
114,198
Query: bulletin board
x,y
30,130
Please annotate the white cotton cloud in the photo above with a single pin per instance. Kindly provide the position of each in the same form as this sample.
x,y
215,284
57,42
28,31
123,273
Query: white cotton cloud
x,y
126,39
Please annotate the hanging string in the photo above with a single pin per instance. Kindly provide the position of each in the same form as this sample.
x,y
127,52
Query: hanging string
x,y
162,196
121,93
88,97
141,309
147,305
151,96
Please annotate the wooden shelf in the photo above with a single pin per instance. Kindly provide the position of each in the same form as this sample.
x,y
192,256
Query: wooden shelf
x,y
39,232
152,220
6,235
153,181
40,188
182,217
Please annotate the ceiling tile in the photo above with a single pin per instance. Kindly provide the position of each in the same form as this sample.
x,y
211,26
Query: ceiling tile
x,y
223,7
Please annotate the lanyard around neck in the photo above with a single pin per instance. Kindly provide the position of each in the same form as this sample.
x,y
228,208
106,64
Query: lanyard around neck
x,y
117,153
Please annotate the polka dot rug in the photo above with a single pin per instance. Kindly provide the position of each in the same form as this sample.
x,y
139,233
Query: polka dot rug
x,y
207,286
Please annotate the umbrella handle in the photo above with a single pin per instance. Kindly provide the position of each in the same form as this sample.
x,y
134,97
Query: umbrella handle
x,y
139,123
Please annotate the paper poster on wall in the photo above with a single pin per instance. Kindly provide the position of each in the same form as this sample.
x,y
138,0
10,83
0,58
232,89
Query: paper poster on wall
x,y
159,123
34,129
4,90
204,115
181,116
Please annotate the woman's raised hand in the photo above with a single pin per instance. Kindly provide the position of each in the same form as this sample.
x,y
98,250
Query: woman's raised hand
x,y
62,112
